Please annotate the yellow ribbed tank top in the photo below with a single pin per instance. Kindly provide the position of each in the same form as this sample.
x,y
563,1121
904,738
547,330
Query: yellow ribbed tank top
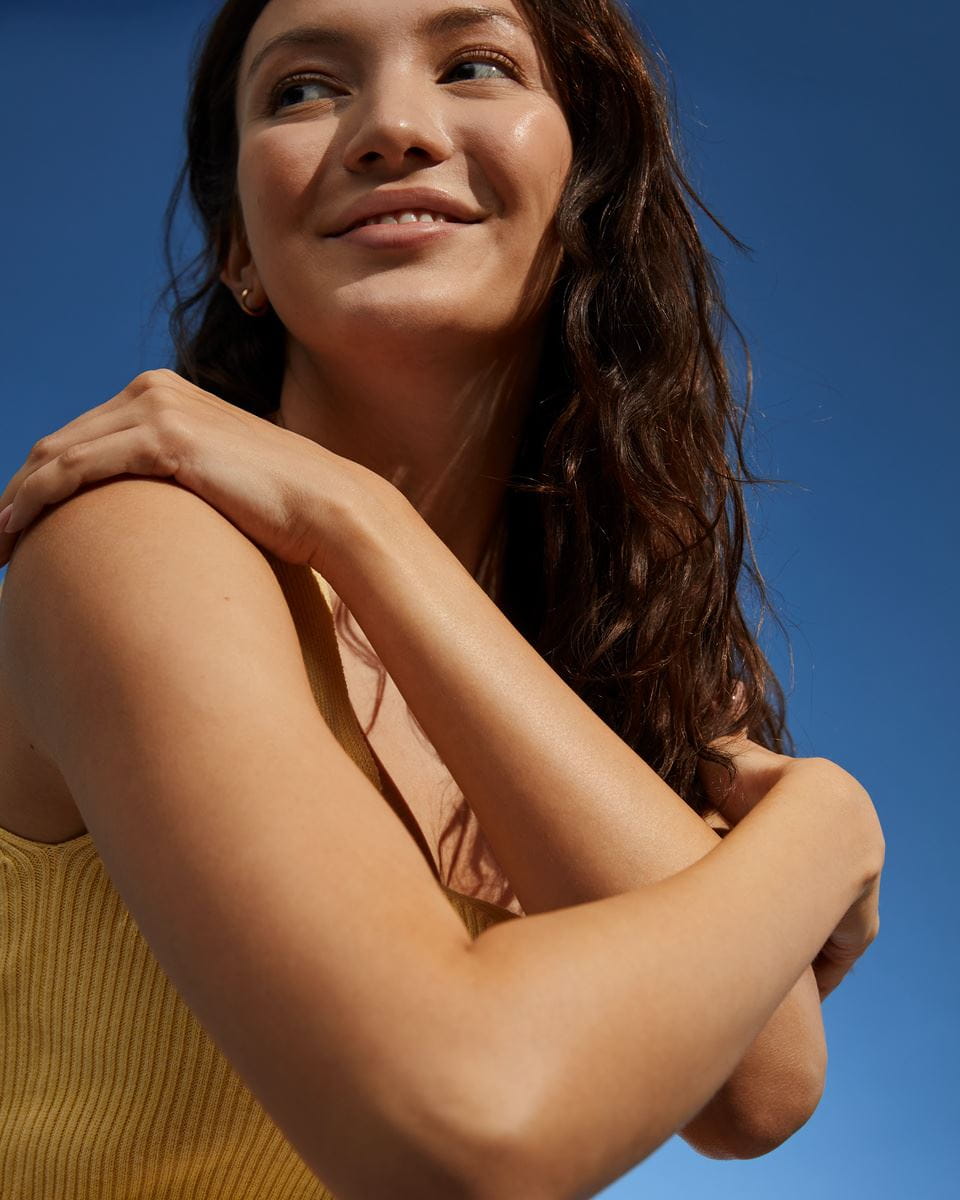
x,y
110,1089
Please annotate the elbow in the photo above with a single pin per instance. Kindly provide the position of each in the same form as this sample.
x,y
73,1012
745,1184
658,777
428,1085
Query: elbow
x,y
735,1132
805,1108
473,1138
796,1103
499,1162
768,1136
455,1159
479,1169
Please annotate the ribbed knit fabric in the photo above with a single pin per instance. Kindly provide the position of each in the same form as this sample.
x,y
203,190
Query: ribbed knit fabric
x,y
110,1089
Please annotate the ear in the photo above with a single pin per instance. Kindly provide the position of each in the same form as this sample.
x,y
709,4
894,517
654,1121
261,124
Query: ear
x,y
239,270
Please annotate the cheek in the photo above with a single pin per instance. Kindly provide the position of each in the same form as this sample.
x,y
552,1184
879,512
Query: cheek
x,y
274,178
529,162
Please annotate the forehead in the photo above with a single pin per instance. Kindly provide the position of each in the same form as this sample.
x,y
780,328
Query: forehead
x,y
388,19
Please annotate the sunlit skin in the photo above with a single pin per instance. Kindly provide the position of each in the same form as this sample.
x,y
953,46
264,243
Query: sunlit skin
x,y
416,362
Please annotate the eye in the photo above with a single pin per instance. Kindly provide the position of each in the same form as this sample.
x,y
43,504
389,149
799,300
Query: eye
x,y
298,89
304,89
486,59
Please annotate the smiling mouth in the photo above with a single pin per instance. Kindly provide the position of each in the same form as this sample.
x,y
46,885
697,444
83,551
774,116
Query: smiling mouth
x,y
404,218
399,234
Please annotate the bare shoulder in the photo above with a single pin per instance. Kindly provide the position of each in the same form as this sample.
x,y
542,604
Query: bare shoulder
x,y
111,565
96,557
150,650
106,541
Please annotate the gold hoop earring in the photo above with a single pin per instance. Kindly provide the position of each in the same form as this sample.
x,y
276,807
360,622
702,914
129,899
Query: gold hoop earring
x,y
252,312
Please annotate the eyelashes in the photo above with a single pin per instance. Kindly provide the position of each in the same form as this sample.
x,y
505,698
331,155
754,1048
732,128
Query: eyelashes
x,y
307,80
293,83
488,56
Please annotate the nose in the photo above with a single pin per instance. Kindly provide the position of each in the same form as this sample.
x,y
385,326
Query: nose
x,y
397,123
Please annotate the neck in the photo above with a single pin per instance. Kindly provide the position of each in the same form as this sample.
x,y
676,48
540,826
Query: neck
x,y
444,433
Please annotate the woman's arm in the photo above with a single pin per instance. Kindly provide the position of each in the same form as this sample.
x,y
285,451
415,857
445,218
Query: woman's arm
x,y
295,916
570,811
151,656
621,1017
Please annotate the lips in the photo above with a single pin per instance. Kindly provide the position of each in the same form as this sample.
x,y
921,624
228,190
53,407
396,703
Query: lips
x,y
397,200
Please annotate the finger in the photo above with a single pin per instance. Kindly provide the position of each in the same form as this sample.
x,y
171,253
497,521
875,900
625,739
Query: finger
x,y
830,972
135,451
94,423
838,957
717,822
721,788
112,416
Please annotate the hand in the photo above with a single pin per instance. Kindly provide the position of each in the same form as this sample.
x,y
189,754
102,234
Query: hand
x,y
280,489
860,925
758,769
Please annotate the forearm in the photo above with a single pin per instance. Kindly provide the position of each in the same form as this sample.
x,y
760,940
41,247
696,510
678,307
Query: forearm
x,y
610,1024
570,811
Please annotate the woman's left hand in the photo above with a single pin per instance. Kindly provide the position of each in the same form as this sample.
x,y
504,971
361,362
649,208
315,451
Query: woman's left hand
x,y
276,486
758,769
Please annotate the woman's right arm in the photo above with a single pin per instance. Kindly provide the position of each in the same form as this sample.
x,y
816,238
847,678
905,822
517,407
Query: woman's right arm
x,y
153,658
622,1017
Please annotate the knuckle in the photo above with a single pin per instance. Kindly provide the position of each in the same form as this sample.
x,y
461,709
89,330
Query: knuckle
x,y
164,460
74,454
155,377
844,956
169,444
171,426
154,386
42,449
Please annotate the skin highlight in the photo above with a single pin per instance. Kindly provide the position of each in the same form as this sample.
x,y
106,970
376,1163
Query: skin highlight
x,y
418,363
622,548
276,263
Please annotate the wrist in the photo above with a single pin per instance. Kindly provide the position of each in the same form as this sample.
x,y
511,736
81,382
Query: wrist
x,y
352,527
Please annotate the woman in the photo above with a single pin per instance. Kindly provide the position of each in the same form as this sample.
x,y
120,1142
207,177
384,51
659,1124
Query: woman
x,y
494,438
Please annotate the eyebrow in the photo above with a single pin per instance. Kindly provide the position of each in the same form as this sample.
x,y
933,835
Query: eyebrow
x,y
449,20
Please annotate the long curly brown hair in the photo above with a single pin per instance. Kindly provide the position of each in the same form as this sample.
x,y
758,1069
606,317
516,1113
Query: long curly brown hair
x,y
625,530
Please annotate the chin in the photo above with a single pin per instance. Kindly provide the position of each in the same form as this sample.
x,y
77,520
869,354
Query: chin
x,y
381,314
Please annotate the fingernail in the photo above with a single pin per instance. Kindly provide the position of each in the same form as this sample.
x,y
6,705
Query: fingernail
x,y
5,517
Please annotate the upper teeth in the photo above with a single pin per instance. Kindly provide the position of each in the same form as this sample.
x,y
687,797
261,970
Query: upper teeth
x,y
403,218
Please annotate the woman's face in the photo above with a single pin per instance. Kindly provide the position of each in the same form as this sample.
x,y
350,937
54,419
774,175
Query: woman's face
x,y
340,102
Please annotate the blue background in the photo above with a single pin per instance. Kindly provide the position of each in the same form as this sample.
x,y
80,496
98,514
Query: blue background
x,y
823,134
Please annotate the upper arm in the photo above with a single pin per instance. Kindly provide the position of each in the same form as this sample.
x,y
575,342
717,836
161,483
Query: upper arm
x,y
152,655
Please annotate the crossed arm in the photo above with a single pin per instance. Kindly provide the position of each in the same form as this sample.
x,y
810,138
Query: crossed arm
x,y
570,811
